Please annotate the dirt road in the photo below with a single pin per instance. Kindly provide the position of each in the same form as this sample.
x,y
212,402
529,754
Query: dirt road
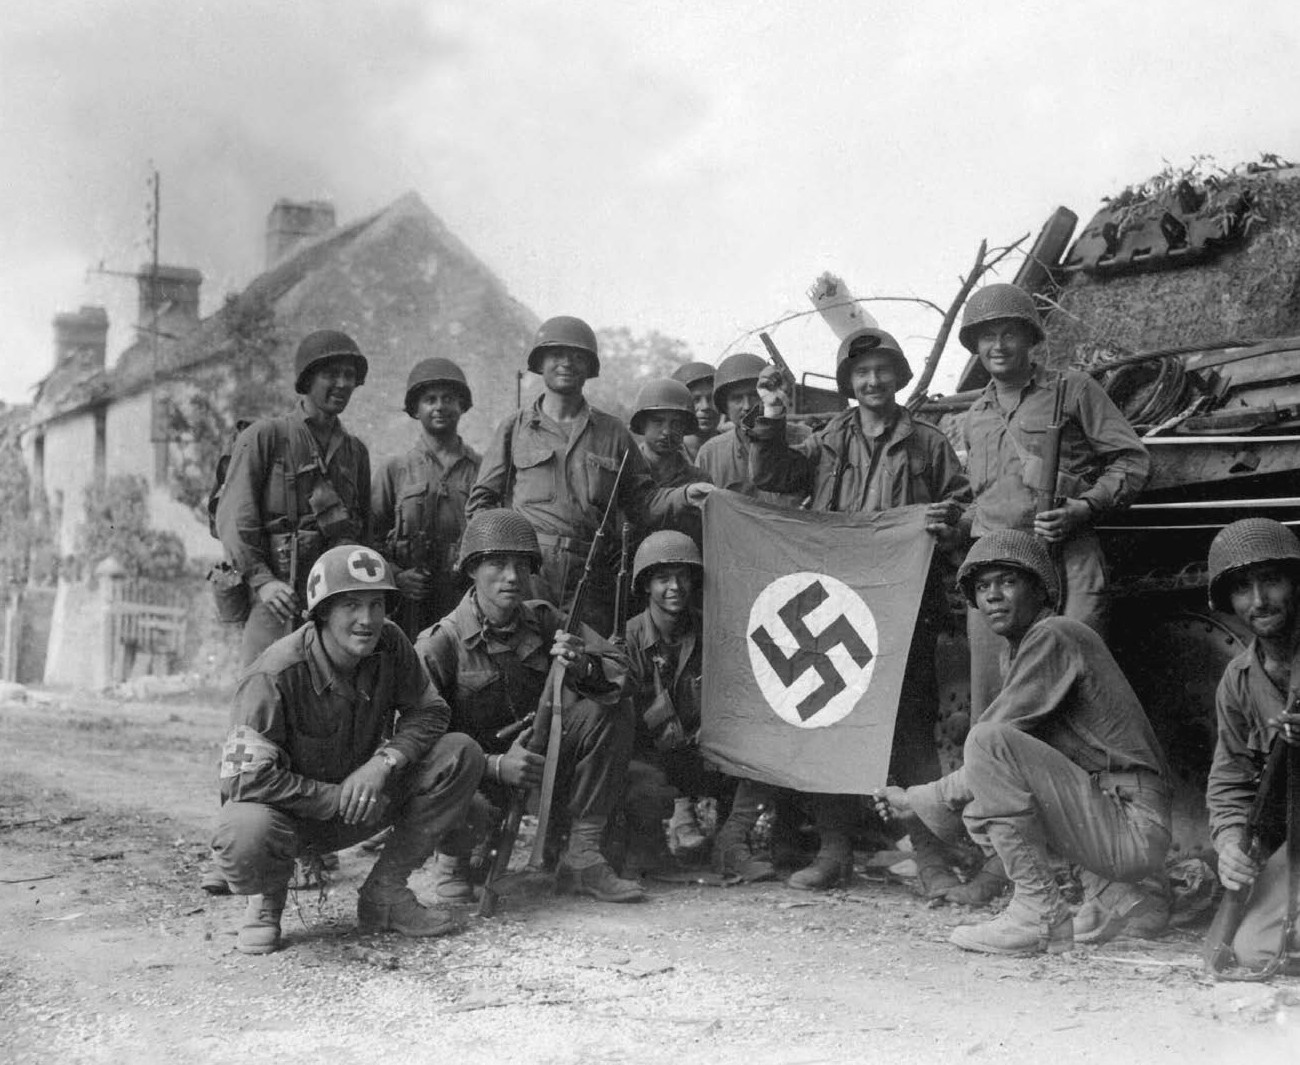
x,y
110,953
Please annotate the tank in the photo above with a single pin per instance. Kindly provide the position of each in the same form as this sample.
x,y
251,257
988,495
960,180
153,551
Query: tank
x,y
1182,296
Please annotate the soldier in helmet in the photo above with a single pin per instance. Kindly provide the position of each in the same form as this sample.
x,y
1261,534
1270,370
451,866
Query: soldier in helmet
x,y
296,485
1255,573
1103,464
661,418
419,499
556,463
1064,760
336,732
870,458
490,657
698,377
725,458
665,645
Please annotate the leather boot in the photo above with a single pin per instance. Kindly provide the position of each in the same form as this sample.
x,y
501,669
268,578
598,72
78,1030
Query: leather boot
x,y
585,871
833,866
451,881
260,932
1113,908
731,851
685,840
1037,920
933,862
985,886
385,903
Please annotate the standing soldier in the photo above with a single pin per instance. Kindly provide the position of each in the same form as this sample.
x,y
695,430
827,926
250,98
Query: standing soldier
x,y
698,377
296,485
419,499
870,458
1255,573
491,657
1103,464
337,733
725,458
557,463
665,647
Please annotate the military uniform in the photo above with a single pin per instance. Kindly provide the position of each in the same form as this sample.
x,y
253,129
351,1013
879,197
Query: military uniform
x,y
725,460
418,516
256,514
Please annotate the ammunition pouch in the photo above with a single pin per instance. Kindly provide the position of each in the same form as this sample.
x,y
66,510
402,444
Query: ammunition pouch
x,y
230,593
331,513
311,545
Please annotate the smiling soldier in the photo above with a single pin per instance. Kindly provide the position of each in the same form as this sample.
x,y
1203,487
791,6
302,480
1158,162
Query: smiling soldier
x,y
296,485
336,733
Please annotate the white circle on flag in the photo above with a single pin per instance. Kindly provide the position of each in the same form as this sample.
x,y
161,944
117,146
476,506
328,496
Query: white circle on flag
x,y
815,675
366,566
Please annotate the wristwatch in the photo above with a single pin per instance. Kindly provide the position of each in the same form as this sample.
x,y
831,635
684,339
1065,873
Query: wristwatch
x,y
391,758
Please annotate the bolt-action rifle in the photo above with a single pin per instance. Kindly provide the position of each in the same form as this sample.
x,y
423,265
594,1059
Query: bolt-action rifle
x,y
546,732
1281,767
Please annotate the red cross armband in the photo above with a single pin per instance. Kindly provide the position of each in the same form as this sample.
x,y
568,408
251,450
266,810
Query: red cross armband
x,y
246,751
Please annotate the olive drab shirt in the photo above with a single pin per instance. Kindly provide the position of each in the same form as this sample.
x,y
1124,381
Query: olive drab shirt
x,y
675,473
494,679
254,501
655,666
842,471
1102,460
418,507
298,728
561,481
725,458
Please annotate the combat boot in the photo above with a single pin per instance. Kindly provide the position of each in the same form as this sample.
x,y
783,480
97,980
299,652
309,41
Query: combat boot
x,y
584,869
1140,910
985,886
833,866
731,851
260,932
451,881
385,903
933,863
685,840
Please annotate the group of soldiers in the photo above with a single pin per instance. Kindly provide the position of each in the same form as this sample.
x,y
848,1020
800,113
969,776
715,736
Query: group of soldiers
x,y
441,598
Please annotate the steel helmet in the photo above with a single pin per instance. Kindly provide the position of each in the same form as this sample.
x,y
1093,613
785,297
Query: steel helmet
x,y
665,548
1009,547
663,394
498,532
347,568
693,373
564,332
436,371
1245,543
322,345
732,370
862,341
994,302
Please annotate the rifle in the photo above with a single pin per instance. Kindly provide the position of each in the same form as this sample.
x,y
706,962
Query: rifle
x,y
778,360
546,733
622,591
1282,762
1046,496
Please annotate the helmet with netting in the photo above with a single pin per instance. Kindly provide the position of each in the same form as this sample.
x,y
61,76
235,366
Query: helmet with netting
x,y
498,532
1247,543
1009,547
995,303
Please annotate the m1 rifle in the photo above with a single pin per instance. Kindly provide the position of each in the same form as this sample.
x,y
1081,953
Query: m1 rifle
x,y
622,589
1282,765
1046,495
546,733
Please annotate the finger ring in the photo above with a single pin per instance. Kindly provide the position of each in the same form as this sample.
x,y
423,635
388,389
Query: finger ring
x,y
371,799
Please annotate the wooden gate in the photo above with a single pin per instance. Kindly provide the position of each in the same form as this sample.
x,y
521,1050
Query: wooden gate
x,y
147,622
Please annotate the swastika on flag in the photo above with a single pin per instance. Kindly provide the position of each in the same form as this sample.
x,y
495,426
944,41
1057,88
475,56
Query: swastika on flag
x,y
812,646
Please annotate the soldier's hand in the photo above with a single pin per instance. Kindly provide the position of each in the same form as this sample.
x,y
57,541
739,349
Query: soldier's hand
x,y
1236,870
892,803
941,518
520,767
279,599
361,795
568,647
772,394
414,583
1057,525
697,492
1289,726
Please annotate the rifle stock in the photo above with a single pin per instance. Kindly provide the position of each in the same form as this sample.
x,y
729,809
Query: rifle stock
x,y
540,740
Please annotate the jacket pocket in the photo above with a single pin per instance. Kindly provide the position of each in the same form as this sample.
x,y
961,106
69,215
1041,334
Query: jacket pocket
x,y
535,471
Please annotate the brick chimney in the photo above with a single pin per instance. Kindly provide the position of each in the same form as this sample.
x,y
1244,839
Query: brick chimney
x,y
81,337
291,224
175,293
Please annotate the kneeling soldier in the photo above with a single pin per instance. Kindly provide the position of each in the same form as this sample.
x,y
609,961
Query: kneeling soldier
x,y
491,657
337,733
665,646
1064,759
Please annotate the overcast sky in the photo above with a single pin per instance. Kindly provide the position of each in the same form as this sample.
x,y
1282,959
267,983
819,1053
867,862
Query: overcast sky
x,y
686,167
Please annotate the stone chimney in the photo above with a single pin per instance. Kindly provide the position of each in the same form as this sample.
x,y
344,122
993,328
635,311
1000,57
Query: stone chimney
x,y
81,337
174,292
291,224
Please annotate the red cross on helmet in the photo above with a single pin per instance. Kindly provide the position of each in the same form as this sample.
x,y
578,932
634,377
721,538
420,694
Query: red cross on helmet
x,y
348,568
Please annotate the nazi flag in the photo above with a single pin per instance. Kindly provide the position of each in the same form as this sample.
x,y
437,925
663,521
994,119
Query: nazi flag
x,y
808,619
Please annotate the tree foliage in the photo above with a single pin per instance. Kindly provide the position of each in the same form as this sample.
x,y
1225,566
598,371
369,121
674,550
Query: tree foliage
x,y
17,520
241,382
627,361
117,525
